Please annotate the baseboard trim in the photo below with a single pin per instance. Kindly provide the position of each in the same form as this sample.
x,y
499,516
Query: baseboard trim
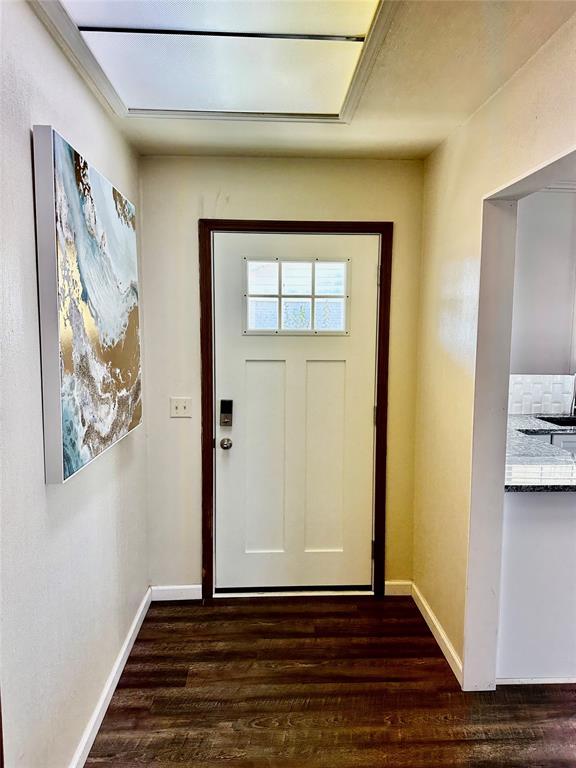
x,y
535,680
398,588
177,592
91,730
439,633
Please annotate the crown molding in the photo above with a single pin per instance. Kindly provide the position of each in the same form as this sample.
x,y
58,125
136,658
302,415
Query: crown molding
x,y
383,18
67,35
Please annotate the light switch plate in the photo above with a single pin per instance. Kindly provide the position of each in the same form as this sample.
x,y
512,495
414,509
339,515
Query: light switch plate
x,y
180,407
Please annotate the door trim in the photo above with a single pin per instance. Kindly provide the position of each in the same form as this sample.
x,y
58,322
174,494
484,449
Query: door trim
x,y
206,228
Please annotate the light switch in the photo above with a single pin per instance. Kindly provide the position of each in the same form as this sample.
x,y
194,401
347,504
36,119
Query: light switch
x,y
180,407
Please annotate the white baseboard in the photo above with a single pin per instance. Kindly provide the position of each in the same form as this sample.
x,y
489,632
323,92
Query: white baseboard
x,y
177,592
194,591
439,633
83,749
535,680
398,588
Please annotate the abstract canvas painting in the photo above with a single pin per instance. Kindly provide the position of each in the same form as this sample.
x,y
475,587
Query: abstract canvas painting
x,y
89,311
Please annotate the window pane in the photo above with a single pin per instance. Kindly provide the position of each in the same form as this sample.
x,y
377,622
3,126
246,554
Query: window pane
x,y
330,278
263,277
297,278
262,314
296,314
330,315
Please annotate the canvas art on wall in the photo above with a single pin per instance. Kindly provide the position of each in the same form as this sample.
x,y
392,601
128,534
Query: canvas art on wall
x,y
88,283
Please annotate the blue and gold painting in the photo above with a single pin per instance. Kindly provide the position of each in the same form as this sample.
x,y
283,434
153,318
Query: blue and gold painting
x,y
98,319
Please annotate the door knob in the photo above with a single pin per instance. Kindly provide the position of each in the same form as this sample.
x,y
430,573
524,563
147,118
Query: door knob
x,y
226,443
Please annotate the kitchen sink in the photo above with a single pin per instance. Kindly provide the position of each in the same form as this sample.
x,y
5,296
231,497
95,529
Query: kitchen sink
x,y
560,421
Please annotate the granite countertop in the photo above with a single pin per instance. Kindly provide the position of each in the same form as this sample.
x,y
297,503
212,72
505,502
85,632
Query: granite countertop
x,y
533,464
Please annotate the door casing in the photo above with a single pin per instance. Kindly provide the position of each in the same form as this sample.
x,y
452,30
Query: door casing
x,y
206,228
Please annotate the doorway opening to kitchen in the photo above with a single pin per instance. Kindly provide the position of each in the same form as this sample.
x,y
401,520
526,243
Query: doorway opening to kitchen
x,y
500,323
294,335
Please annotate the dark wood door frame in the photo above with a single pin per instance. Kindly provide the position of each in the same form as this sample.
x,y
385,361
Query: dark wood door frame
x,y
206,228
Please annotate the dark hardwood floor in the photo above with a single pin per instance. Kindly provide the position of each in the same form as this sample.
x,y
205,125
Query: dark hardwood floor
x,y
329,683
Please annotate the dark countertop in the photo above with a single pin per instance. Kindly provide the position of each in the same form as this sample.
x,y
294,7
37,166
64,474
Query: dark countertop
x,y
533,464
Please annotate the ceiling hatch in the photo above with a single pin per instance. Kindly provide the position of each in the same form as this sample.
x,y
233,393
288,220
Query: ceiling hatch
x,y
249,59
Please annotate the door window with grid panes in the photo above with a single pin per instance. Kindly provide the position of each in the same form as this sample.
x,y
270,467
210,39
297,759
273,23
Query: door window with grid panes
x,y
297,297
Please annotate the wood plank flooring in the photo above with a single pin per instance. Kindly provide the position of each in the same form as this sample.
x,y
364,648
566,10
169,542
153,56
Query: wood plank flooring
x,y
325,683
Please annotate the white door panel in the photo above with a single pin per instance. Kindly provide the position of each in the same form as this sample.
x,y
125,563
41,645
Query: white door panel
x,y
294,494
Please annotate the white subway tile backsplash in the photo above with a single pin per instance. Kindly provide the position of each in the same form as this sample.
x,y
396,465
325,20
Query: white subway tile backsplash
x,y
540,393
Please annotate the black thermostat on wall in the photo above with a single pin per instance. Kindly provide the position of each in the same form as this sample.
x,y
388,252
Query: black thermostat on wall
x,y
225,413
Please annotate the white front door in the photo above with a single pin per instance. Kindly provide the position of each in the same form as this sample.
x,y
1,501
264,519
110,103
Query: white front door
x,y
295,327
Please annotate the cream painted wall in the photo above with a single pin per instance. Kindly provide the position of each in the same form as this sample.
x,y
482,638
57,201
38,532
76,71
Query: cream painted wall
x,y
73,557
544,284
176,192
529,122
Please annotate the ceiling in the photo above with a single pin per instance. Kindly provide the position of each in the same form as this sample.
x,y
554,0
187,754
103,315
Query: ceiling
x,y
438,61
